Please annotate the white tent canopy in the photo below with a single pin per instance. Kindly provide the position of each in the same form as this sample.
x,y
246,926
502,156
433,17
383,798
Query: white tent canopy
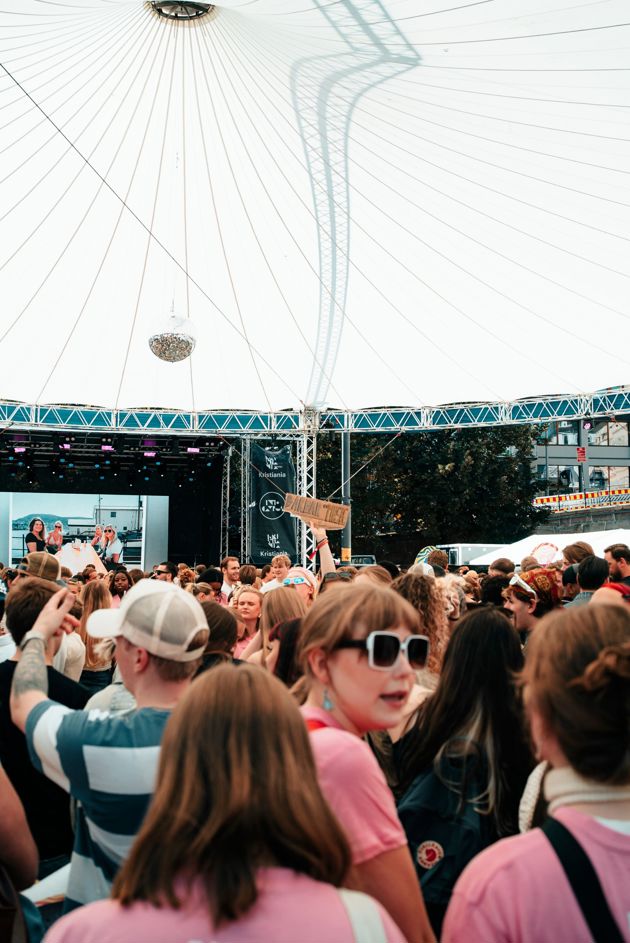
x,y
548,547
356,203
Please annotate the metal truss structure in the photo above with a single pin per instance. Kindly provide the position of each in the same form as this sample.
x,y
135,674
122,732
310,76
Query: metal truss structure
x,y
303,427
307,478
225,504
292,423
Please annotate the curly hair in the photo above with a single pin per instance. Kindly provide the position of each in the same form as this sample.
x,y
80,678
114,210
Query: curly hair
x,y
425,596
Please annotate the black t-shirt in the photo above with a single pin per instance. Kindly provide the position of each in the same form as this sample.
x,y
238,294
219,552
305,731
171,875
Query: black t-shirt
x,y
47,806
39,544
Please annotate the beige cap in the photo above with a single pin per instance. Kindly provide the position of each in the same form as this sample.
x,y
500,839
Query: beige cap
x,y
154,615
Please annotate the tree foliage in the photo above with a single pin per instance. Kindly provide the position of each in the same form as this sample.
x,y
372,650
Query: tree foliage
x,y
452,486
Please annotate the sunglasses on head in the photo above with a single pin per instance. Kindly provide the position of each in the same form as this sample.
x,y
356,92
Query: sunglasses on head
x,y
384,649
294,580
523,586
334,577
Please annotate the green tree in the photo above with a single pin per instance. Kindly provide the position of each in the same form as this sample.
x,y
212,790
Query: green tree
x,y
456,485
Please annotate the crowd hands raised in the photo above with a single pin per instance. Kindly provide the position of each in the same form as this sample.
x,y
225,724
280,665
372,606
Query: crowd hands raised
x,y
352,755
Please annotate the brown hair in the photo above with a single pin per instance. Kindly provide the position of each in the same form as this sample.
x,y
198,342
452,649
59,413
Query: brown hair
x,y
438,558
168,670
375,574
575,553
425,596
95,596
225,561
348,611
186,576
577,675
212,820
223,627
135,575
248,574
503,565
279,605
24,603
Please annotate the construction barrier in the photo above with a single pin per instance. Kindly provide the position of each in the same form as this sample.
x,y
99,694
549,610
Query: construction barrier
x,y
580,500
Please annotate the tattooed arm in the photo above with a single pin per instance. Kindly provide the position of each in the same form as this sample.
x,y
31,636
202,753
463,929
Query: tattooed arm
x,y
30,681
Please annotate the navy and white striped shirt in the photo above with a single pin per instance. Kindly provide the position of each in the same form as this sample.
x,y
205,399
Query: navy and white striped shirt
x,y
108,762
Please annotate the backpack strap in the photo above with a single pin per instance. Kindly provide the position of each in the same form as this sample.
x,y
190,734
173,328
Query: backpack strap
x,y
584,882
364,917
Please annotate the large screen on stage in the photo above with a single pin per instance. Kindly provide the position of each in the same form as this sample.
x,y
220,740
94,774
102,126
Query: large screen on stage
x,y
76,517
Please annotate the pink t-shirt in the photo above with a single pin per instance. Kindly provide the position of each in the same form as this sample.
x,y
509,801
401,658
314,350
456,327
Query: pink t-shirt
x,y
241,645
355,788
290,908
517,892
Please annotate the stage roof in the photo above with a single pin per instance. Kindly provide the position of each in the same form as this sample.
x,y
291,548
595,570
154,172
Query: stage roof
x,y
358,204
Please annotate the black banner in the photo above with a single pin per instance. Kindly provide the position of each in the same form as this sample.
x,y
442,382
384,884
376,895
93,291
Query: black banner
x,y
271,530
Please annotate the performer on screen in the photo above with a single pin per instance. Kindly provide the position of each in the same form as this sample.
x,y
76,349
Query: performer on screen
x,y
98,539
111,551
36,538
54,541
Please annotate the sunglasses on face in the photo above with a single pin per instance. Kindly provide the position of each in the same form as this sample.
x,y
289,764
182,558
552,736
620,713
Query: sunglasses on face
x,y
384,649
294,580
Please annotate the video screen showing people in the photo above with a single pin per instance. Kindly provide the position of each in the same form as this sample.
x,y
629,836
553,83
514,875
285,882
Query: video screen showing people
x,y
102,529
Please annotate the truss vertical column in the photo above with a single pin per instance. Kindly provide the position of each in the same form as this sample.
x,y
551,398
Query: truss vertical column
x,y
307,478
245,499
225,504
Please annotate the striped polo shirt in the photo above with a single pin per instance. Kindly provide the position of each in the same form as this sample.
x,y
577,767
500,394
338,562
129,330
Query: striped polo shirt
x,y
108,763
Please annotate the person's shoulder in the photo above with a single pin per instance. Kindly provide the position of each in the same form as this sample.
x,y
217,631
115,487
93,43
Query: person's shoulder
x,y
66,691
508,861
344,752
83,924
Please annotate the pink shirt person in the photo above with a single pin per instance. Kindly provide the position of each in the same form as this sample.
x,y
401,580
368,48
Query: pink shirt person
x,y
291,907
517,892
355,788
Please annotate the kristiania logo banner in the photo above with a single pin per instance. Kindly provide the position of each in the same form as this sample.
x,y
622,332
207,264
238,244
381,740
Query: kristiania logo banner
x,y
272,531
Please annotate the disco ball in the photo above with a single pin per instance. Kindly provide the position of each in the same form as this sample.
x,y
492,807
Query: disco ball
x,y
175,342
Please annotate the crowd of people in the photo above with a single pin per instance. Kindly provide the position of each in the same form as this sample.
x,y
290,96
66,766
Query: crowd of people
x,y
239,754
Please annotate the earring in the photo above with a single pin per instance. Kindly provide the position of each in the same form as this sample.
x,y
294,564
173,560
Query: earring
x,y
327,704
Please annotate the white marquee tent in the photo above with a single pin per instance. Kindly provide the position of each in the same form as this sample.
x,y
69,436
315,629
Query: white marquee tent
x,y
356,203
548,547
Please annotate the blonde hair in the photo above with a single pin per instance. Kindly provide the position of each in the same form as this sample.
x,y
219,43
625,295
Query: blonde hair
x,y
212,820
281,558
95,596
374,574
279,605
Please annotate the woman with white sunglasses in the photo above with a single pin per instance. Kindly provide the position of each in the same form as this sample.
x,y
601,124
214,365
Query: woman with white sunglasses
x,y
359,647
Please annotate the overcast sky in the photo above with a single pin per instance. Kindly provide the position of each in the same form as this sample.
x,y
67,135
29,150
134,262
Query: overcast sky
x,y
67,505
